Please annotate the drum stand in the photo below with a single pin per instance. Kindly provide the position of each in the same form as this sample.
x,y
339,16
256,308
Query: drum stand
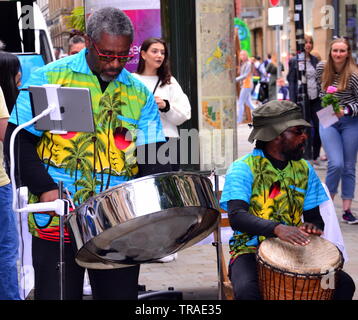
x,y
171,294
61,263
224,284
217,238
61,208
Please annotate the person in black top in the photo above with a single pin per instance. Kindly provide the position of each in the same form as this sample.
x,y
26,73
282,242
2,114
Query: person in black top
x,y
10,79
313,100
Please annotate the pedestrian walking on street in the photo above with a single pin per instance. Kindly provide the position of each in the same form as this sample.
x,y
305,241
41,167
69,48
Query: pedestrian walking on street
x,y
340,140
272,70
314,102
246,85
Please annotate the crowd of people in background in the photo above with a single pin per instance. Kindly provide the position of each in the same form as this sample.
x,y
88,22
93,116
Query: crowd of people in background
x,y
337,143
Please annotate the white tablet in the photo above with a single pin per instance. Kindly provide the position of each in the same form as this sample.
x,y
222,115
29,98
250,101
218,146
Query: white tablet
x,y
75,106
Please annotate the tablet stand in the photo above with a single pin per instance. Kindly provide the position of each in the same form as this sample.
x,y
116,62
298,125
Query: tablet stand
x,y
59,206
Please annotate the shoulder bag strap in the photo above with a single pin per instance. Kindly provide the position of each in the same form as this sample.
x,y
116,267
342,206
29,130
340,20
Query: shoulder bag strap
x,y
156,86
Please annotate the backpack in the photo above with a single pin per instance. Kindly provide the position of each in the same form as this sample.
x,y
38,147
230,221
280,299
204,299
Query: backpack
x,y
256,71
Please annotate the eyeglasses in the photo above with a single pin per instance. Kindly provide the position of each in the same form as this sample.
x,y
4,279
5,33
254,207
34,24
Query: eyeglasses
x,y
109,58
298,131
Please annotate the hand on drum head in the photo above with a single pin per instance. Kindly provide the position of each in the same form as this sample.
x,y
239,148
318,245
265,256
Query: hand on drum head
x,y
310,228
293,235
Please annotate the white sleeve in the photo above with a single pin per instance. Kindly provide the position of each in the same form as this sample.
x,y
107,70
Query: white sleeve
x,y
245,71
262,69
332,230
180,109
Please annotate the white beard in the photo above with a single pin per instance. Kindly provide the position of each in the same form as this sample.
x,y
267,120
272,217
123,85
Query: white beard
x,y
106,79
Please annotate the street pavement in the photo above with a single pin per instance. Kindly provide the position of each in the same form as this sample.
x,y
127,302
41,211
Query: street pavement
x,y
194,273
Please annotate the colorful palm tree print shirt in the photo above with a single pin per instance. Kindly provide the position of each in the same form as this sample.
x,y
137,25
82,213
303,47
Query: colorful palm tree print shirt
x,y
125,115
273,194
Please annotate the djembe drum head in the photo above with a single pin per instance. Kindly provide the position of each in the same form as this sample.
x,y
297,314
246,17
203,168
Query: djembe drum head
x,y
292,272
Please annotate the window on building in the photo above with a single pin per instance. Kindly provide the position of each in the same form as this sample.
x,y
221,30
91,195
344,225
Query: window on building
x,y
348,24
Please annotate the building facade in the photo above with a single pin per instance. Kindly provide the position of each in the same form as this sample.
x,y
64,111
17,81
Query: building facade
x,y
55,12
43,5
323,19
346,21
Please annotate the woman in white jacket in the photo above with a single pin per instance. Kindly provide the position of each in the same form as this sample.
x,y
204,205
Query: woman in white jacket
x,y
174,106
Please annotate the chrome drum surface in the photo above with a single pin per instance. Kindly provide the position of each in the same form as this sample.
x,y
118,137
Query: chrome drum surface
x,y
143,220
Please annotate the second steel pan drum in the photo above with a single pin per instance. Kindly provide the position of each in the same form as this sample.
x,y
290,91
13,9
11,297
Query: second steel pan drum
x,y
143,220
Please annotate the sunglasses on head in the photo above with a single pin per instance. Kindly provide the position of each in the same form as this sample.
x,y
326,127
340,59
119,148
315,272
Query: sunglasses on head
x,y
341,38
109,58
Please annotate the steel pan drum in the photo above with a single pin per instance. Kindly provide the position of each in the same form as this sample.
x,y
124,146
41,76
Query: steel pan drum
x,y
143,220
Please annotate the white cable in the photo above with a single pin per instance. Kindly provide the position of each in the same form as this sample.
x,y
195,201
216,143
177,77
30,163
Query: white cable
x,y
12,156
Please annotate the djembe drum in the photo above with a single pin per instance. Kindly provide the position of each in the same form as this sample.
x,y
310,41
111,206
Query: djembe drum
x,y
289,272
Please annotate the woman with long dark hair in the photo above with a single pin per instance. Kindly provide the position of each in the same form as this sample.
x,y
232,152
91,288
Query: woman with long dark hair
x,y
10,79
174,106
340,140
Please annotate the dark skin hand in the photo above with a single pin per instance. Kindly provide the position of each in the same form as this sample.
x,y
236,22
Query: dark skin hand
x,y
49,196
297,235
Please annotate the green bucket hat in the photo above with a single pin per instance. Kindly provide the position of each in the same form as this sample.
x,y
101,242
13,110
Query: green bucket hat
x,y
274,117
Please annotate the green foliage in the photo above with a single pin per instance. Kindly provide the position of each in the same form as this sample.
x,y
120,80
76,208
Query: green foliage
x,y
76,20
330,99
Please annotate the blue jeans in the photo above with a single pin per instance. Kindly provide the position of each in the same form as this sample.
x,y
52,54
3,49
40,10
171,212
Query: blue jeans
x,y
244,98
9,242
340,141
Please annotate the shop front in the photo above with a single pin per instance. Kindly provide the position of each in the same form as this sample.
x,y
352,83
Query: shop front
x,y
347,22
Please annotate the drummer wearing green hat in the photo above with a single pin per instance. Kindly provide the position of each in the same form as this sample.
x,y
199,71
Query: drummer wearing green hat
x,y
267,193
273,118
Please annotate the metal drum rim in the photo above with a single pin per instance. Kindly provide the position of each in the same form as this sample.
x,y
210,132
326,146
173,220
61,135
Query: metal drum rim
x,y
129,182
